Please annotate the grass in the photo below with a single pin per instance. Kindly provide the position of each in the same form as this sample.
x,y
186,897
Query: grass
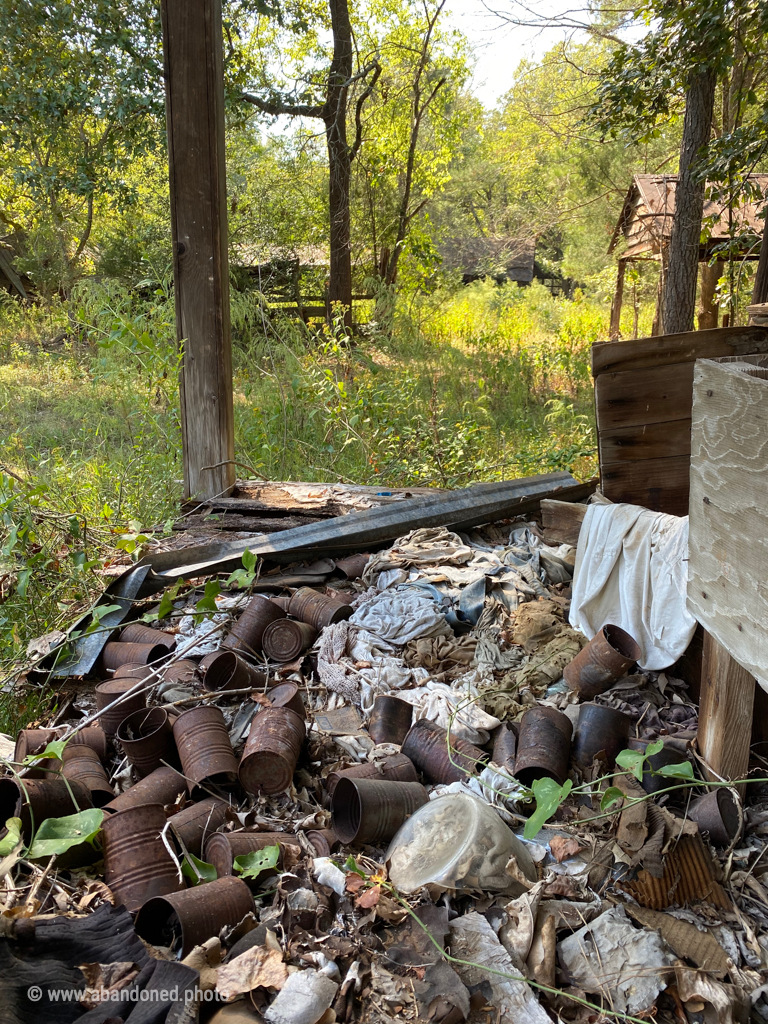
x,y
486,383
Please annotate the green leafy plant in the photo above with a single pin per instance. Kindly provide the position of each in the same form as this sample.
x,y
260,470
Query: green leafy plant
x,y
12,838
548,796
57,835
251,865
196,870
634,760
207,603
244,577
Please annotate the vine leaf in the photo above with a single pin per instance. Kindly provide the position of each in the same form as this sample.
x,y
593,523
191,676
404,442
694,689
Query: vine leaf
x,y
251,865
548,796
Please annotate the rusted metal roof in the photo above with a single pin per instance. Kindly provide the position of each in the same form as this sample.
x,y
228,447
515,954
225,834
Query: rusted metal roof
x,y
490,256
649,206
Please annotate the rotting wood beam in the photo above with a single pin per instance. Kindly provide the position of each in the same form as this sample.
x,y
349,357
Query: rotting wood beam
x,y
725,711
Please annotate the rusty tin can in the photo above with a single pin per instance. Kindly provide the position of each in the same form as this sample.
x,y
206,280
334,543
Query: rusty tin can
x,y
600,729
286,695
163,786
248,632
608,656
718,814
353,566
225,670
107,693
271,751
198,913
427,746
543,746
116,654
83,764
670,753
286,639
202,741
391,719
197,822
183,672
505,747
47,798
324,841
316,609
222,848
393,768
139,633
92,736
147,740
137,865
34,741
367,811
135,672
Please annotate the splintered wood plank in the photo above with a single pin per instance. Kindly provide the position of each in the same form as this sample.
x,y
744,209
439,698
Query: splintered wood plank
x,y
638,397
728,544
725,711
649,441
642,353
561,521
194,97
658,484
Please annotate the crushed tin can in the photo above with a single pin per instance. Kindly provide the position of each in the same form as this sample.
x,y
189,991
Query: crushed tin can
x,y
206,753
285,639
427,745
271,751
608,656
370,811
247,633
543,746
137,866
391,719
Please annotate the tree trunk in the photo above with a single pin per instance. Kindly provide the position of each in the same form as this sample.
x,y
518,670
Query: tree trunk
x,y
678,301
760,287
339,160
707,314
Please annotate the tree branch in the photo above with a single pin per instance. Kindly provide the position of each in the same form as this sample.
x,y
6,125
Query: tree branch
x,y
359,107
277,106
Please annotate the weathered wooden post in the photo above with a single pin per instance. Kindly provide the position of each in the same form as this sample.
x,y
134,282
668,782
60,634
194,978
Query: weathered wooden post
x,y
194,98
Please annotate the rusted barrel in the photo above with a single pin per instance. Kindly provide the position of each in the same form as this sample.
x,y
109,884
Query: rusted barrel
x,y
147,740
718,814
247,633
324,841
116,654
163,786
600,729
391,719
366,811
316,609
83,764
427,746
197,822
286,639
137,866
197,913
271,751
608,656
543,746
202,741
393,768
140,633
286,695
225,670
505,747
222,848
108,692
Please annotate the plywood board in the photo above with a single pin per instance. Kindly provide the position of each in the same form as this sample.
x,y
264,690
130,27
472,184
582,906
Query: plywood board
x,y
728,550
649,441
658,484
641,353
639,397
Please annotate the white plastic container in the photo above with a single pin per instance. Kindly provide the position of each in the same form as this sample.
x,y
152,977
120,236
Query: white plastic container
x,y
458,842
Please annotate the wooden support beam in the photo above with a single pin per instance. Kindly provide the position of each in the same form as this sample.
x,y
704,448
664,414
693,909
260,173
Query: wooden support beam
x,y
618,298
561,521
708,308
725,711
194,97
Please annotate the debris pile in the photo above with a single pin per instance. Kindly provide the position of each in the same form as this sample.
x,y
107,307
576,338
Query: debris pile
x,y
396,785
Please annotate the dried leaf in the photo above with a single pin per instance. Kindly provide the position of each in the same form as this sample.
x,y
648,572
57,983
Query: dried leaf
x,y
563,848
257,967
354,882
369,898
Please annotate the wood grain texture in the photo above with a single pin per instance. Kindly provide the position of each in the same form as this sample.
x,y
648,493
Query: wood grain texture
x,y
194,91
642,353
658,484
728,547
561,521
649,441
725,711
638,397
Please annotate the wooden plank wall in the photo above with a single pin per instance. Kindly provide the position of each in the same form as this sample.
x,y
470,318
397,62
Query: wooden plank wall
x,y
643,397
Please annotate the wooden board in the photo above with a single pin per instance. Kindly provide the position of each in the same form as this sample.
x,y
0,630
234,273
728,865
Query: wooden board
x,y
658,484
646,441
561,521
638,397
194,97
725,712
643,353
728,548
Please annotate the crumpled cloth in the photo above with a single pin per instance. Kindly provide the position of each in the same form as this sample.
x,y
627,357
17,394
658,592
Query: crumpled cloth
x,y
437,702
631,571
401,615
332,673
493,785
445,658
434,545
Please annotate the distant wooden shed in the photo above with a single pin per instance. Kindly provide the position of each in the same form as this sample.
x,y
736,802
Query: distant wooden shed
x,y
646,224
479,256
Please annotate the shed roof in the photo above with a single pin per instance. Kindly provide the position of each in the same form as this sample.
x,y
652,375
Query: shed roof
x,y
649,206
494,256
